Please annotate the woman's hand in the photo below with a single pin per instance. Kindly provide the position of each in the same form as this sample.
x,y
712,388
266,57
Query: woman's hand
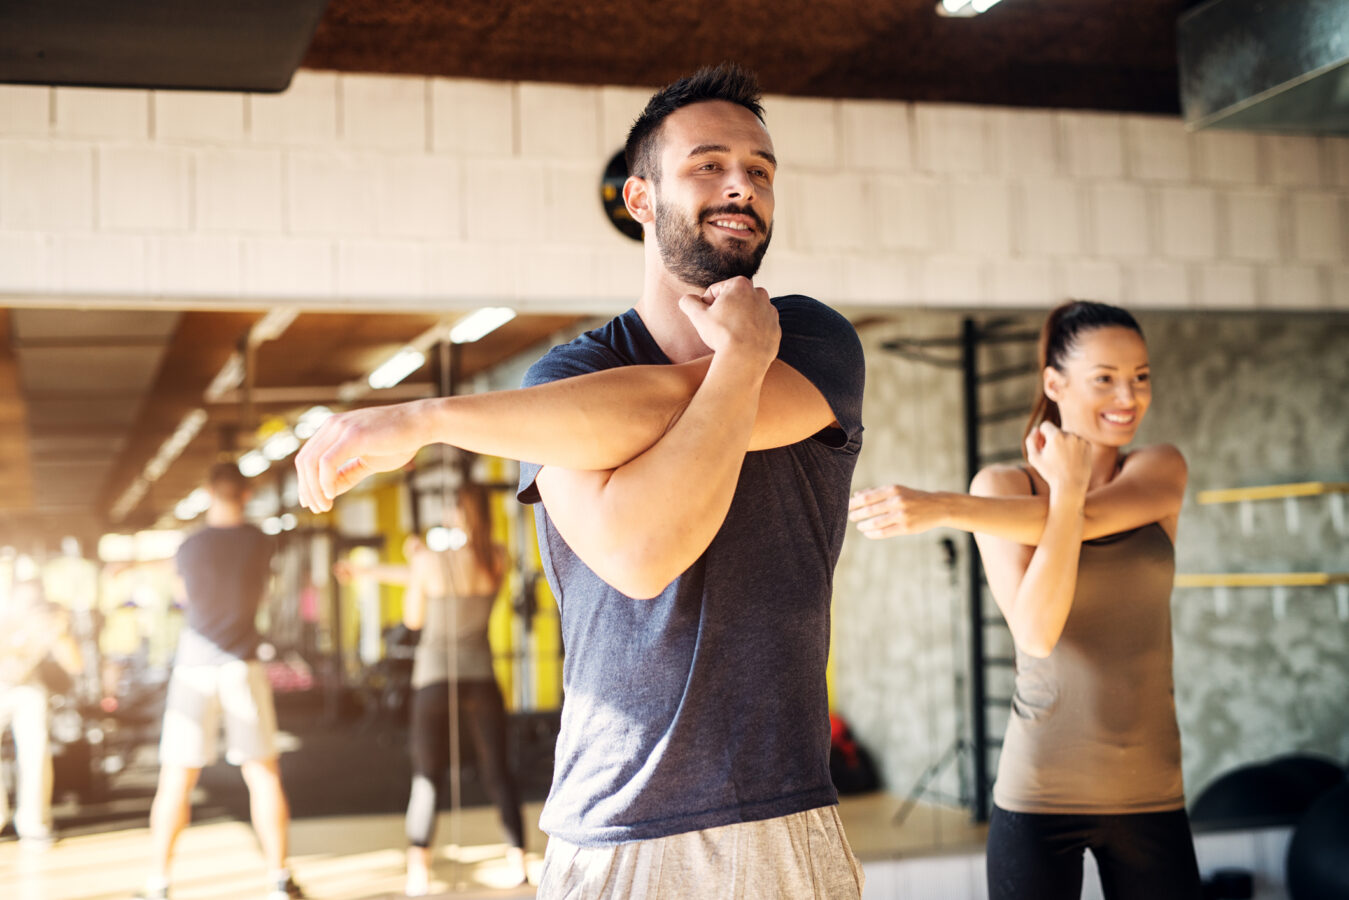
x,y
894,509
1062,458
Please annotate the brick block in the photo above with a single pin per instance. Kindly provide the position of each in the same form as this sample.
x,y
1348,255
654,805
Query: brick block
x,y
238,190
572,210
215,117
25,263
25,109
559,122
1157,284
833,212
1028,142
418,196
46,186
195,266
785,272
101,112
1294,287
474,273
909,215
550,274
385,112
951,281
1050,214
289,267
805,132
953,139
883,280
305,114
1253,221
1293,161
1231,157
621,269
1158,148
619,108
331,193
144,188
877,135
380,270
1091,280
1226,286
981,218
1337,150
473,118
1093,144
1189,222
1120,220
1317,231
99,264
1338,278
1029,282
501,200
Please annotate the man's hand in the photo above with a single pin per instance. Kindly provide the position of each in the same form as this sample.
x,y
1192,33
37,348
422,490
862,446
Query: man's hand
x,y
894,509
733,317
352,445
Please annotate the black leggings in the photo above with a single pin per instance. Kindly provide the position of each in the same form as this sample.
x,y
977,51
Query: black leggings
x,y
1141,856
481,706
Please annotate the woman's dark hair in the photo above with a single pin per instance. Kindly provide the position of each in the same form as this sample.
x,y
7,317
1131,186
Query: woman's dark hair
x,y
1058,338
726,82
475,503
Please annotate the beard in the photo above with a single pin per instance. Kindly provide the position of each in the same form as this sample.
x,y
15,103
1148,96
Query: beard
x,y
693,259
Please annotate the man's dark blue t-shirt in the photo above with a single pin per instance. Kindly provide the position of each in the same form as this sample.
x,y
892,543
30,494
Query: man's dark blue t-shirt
x,y
707,705
225,572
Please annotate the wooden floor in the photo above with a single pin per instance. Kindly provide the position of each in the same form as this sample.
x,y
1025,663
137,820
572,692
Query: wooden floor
x,y
359,857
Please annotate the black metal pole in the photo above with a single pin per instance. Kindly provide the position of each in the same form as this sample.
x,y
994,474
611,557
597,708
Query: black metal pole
x,y
978,686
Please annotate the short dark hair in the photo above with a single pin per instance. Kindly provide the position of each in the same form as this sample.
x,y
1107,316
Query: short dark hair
x,y
727,81
227,482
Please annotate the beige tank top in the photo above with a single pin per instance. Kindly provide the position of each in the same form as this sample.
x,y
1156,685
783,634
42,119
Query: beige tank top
x,y
453,645
1093,725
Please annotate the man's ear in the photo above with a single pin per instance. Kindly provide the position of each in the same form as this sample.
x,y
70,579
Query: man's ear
x,y
638,197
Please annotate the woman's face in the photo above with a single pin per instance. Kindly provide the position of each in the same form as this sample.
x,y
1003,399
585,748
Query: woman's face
x,y
1104,388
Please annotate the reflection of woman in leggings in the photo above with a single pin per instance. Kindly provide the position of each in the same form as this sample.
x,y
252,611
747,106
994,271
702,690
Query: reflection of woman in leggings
x,y
449,600
1078,548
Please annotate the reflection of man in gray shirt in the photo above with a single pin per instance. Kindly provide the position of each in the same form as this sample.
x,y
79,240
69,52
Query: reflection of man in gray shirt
x,y
225,568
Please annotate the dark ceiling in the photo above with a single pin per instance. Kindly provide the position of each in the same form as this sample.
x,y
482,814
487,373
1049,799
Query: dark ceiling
x,y
1076,54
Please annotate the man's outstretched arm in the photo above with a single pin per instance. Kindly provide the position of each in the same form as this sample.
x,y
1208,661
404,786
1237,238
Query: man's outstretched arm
x,y
594,422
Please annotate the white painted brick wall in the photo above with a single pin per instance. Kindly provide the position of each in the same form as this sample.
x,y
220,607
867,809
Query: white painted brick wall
x,y
876,135
1120,220
238,190
1317,229
144,188
805,133
1050,218
25,110
101,113
473,118
211,117
46,186
305,114
953,139
435,190
1189,222
559,122
331,193
383,112
1159,149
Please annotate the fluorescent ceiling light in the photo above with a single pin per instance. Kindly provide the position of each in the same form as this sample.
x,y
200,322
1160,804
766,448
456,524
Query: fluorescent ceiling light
x,y
479,323
253,463
397,367
280,445
310,420
273,325
983,5
230,376
964,8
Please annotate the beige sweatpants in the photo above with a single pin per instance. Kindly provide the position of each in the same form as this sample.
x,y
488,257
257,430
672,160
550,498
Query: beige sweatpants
x,y
803,856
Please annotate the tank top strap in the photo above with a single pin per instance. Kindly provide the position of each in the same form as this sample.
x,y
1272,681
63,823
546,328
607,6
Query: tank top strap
x,y
1031,479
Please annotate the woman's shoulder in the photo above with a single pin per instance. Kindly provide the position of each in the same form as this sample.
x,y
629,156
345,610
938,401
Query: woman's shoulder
x,y
1002,480
1163,460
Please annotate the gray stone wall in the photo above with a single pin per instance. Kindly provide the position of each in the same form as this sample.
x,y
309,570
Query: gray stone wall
x,y
1250,399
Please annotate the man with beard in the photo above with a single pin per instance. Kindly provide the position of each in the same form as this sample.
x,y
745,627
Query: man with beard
x,y
691,460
